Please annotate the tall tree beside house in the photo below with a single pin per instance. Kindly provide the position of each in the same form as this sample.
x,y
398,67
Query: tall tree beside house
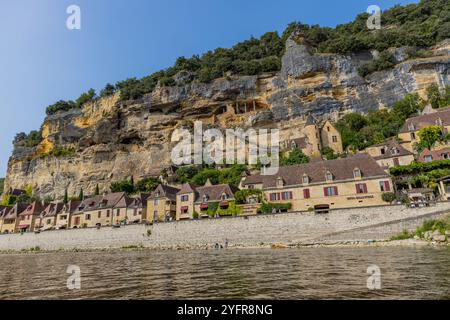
x,y
97,190
66,197
428,137
81,195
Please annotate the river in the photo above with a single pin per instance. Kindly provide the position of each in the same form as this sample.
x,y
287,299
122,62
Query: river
x,y
309,273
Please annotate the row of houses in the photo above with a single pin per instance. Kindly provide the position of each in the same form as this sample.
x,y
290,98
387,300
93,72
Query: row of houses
x,y
103,210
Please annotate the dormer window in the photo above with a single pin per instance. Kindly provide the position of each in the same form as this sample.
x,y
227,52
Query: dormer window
x,y
395,151
439,121
305,179
329,176
293,145
357,173
280,182
383,151
205,198
224,196
157,194
411,127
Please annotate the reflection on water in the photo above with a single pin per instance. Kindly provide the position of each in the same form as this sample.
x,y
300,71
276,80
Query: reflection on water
x,y
319,273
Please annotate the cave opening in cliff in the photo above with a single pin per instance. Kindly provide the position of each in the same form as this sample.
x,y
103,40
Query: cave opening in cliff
x,y
247,106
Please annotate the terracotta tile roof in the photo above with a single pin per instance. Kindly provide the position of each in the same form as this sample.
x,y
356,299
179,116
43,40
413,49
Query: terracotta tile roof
x,y
34,209
442,154
427,120
214,192
187,188
15,211
341,169
393,149
53,209
300,143
165,191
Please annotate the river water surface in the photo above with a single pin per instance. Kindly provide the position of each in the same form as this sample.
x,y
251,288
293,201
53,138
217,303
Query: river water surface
x,y
310,273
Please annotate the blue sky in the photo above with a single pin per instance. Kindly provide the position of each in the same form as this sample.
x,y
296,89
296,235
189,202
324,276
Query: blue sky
x,y
41,61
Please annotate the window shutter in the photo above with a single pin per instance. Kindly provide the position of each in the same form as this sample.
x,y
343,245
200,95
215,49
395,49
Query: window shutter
x,y
325,192
291,195
336,191
357,188
387,186
365,188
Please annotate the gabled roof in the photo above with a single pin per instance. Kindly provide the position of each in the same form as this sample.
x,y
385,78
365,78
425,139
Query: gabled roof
x,y
100,202
15,211
310,121
214,192
391,146
165,191
71,206
435,154
187,188
427,120
341,169
53,209
34,209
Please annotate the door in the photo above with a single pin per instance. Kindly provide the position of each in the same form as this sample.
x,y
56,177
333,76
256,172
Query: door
x,y
77,221
396,162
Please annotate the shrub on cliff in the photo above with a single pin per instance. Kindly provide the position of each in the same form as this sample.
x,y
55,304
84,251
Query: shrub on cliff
x,y
61,105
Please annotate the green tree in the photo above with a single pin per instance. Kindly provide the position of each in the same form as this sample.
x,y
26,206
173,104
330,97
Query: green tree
x,y
429,136
434,96
108,90
81,195
66,196
97,190
296,156
85,98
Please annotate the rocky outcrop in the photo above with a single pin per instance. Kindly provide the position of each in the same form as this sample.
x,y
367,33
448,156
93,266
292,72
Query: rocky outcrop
x,y
113,140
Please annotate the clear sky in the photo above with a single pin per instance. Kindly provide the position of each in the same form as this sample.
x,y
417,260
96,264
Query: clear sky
x,y
41,61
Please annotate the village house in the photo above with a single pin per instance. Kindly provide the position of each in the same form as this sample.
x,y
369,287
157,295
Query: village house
x,y
390,154
47,218
136,208
314,137
434,155
102,211
344,183
409,133
63,217
3,211
162,204
11,218
221,195
193,199
76,218
28,217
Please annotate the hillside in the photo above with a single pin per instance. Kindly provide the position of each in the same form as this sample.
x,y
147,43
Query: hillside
x,y
278,80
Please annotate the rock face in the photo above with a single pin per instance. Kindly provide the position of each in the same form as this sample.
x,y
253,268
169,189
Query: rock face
x,y
113,140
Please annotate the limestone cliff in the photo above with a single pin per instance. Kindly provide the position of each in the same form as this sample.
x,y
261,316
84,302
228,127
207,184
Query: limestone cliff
x,y
112,140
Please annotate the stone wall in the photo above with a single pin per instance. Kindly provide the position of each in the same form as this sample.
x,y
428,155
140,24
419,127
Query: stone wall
x,y
378,223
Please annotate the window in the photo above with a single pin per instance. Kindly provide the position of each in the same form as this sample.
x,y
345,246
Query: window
x,y
63,217
329,176
224,196
330,191
385,186
413,136
287,195
184,198
156,202
445,156
428,158
335,139
305,179
361,188
275,197
357,173
118,212
135,212
49,221
251,186
99,214
328,128
395,151
306,194
87,217
205,198
383,151
108,213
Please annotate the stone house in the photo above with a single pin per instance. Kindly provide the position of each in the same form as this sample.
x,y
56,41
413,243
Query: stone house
x,y
185,202
63,217
343,183
28,217
409,133
11,217
314,137
102,211
162,204
390,154
434,155
47,219
136,208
